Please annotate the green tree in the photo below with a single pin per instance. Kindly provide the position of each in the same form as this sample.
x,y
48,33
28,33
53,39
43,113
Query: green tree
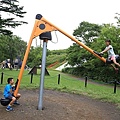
x,y
35,56
86,33
117,17
11,47
111,32
93,67
108,31
12,8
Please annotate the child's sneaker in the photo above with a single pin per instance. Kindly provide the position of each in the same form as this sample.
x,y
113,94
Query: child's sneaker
x,y
16,103
9,108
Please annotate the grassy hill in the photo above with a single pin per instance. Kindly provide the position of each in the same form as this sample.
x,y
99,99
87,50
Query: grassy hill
x,y
56,58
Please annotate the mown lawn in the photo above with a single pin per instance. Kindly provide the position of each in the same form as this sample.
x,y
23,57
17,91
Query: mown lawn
x,y
67,84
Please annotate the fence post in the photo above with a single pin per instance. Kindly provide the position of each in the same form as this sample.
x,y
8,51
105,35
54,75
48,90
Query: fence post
x,y
115,82
115,85
86,78
58,79
2,78
31,77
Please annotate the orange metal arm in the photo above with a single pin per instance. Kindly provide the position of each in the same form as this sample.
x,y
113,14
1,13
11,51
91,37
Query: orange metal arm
x,y
42,25
73,39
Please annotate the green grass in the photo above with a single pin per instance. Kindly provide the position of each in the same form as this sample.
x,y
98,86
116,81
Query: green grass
x,y
67,84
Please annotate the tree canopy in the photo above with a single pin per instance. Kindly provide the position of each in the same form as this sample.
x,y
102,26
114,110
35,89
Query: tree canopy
x,y
11,47
94,36
13,11
86,33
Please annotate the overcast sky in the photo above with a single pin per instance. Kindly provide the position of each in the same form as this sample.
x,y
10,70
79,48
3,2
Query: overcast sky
x,y
66,14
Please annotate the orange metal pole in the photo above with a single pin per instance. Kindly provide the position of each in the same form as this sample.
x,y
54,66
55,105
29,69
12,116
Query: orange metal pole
x,y
36,32
25,58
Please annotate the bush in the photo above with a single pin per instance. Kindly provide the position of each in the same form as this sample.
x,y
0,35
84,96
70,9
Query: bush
x,y
102,74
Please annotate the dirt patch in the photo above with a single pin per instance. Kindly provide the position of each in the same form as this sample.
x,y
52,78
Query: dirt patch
x,y
60,106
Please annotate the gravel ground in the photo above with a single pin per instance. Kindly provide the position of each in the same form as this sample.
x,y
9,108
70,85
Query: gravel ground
x,y
59,106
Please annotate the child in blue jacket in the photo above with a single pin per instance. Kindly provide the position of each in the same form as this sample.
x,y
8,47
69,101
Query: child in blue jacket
x,y
8,94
